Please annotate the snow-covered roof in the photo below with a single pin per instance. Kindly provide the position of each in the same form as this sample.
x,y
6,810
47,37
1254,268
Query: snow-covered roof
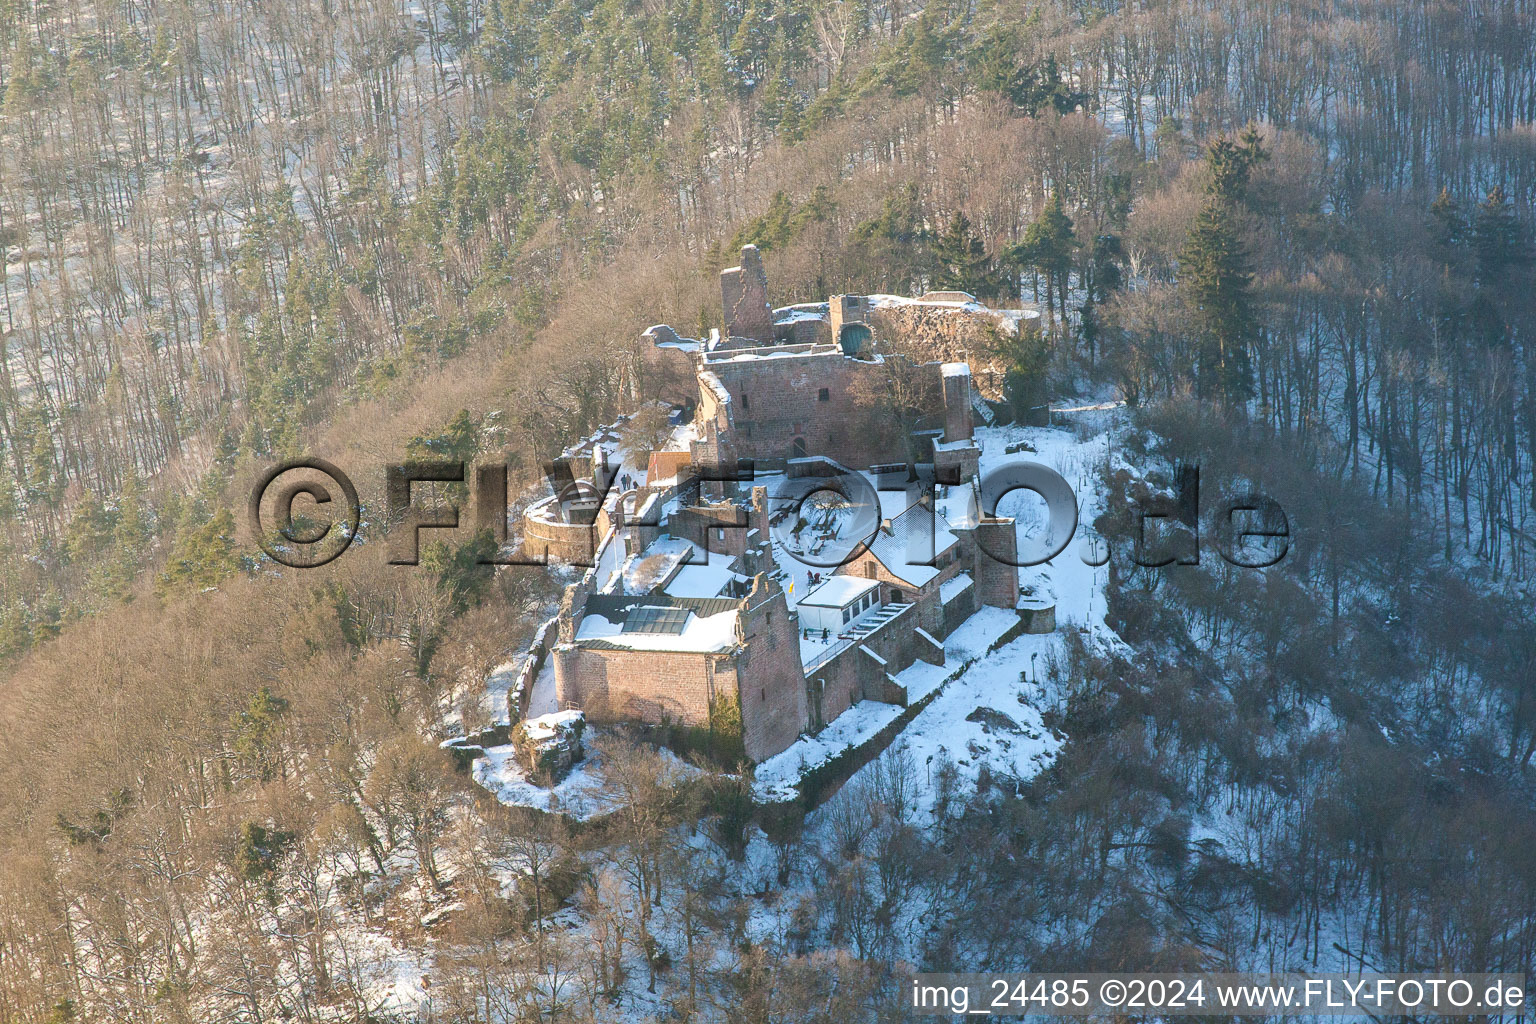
x,y
653,567
707,580
893,502
915,536
839,592
702,634
955,369
959,508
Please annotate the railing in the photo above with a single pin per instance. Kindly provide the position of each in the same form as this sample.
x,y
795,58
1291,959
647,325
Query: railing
x,y
857,634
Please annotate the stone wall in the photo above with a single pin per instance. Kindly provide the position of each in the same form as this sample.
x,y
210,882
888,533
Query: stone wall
x,y
961,608
653,687
997,582
521,690
841,683
957,401
764,675
769,673
718,529
853,675
559,542
957,462
944,334
803,330
810,397
846,309
573,605
715,446
744,298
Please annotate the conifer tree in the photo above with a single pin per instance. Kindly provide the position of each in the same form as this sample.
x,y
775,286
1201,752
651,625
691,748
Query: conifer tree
x,y
90,528
894,246
1217,282
1215,274
10,504
963,261
1446,224
1500,251
1498,238
1047,248
204,554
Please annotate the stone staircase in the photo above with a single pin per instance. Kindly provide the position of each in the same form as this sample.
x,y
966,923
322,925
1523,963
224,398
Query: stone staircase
x,y
857,632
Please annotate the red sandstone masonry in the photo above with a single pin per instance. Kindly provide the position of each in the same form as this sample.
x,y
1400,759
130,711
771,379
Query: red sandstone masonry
x,y
769,404
852,675
776,401
645,686
744,298
771,678
763,672
997,582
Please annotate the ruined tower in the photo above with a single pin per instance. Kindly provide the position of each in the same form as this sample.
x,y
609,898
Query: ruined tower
x,y
744,298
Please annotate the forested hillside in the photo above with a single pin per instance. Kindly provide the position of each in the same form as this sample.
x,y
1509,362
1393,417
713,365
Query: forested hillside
x,y
1295,238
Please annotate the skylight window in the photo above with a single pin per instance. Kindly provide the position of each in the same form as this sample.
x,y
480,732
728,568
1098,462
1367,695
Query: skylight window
x,y
656,619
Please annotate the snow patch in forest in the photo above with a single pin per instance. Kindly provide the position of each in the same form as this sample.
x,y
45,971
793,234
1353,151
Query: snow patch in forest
x,y
986,719
580,795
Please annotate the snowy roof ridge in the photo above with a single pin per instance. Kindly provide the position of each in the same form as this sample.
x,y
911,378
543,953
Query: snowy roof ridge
x,y
838,591
917,534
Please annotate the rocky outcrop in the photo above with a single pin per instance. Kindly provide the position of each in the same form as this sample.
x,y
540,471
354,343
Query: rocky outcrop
x,y
550,745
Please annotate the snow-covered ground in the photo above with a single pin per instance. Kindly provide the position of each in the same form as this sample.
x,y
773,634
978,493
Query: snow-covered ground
x,y
982,719
543,700
1077,585
579,795
987,716
778,777
497,685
